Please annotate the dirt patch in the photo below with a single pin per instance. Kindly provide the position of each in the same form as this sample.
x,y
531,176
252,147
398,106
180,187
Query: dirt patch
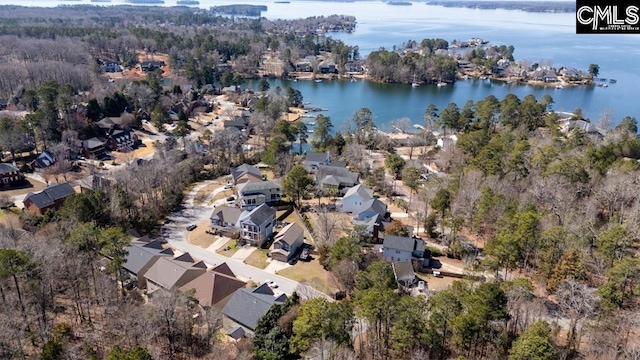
x,y
437,283
222,195
231,245
258,259
310,273
200,237
205,192
147,148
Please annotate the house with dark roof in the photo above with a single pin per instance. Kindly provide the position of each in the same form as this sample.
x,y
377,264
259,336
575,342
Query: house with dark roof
x,y
238,122
402,248
44,160
224,220
50,198
94,148
372,208
111,67
172,273
287,242
313,160
247,306
256,225
141,256
117,134
404,273
243,169
215,287
10,175
151,66
256,193
355,197
334,177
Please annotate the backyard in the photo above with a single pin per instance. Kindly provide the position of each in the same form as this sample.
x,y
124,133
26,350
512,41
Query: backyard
x,y
310,273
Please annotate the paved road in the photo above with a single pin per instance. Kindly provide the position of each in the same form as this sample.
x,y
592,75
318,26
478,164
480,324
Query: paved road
x,y
174,231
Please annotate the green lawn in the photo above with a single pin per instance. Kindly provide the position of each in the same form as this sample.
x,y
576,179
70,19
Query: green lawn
x,y
310,273
233,248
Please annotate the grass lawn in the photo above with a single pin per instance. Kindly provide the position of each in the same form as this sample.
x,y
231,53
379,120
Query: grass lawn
x,y
310,273
293,218
437,283
200,237
233,248
223,195
258,258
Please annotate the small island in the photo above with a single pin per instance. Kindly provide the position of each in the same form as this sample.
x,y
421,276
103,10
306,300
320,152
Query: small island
x,y
399,3
241,10
534,6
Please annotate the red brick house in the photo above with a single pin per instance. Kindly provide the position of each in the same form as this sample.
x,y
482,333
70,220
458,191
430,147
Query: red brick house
x,y
51,198
9,175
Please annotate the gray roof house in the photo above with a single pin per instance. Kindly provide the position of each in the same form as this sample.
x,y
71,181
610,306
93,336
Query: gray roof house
x,y
50,198
170,274
335,177
402,248
244,169
247,306
404,273
224,219
313,160
287,242
256,225
141,256
370,209
253,194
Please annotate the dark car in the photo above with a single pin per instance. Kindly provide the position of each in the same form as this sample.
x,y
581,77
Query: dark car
x,y
191,227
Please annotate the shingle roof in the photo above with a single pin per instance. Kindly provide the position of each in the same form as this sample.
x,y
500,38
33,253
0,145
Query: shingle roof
x,y
324,171
224,269
290,233
227,214
402,243
361,190
373,204
50,194
92,143
317,157
139,254
212,287
259,215
247,306
6,168
403,270
171,274
257,186
243,169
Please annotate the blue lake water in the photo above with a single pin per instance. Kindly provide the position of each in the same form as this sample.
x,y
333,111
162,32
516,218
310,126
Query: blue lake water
x,y
538,37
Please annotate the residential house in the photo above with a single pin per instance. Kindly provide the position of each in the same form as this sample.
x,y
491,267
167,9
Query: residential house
x,y
582,125
404,273
371,208
10,175
44,160
401,248
327,67
50,198
355,197
237,122
303,66
249,177
121,140
224,220
141,256
313,160
256,225
287,242
172,273
253,194
236,173
335,178
247,306
546,75
109,66
151,66
215,287
94,148
447,141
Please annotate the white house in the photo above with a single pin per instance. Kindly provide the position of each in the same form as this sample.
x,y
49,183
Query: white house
x,y
256,225
355,197
401,248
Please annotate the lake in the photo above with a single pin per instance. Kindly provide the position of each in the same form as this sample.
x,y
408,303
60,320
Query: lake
x,y
539,37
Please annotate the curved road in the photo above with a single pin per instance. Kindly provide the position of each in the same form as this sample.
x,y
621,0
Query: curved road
x,y
175,232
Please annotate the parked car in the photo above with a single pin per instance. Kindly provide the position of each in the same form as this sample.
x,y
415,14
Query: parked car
x,y
230,199
272,284
293,260
228,186
304,255
190,227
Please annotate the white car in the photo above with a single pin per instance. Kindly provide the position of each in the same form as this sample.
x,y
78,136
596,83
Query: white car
x,y
228,186
272,284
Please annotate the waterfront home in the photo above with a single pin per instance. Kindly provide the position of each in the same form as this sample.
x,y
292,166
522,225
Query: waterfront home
x,y
287,242
581,125
355,197
256,226
303,66
546,75
255,193
327,67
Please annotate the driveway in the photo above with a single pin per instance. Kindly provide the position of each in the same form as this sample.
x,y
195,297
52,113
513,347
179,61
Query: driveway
x,y
175,232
